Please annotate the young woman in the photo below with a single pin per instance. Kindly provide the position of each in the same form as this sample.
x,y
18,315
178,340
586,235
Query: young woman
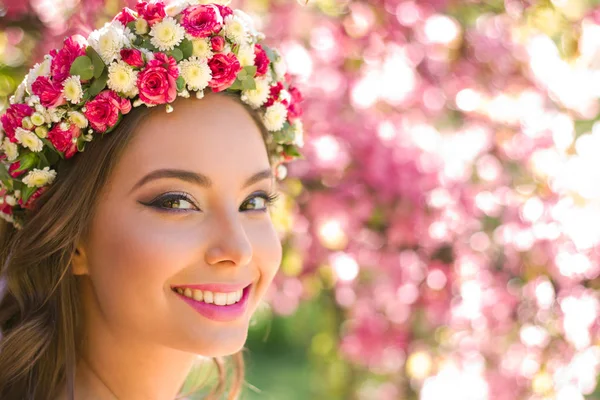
x,y
121,264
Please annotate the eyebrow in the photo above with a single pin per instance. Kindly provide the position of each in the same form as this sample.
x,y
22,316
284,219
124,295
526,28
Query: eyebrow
x,y
197,178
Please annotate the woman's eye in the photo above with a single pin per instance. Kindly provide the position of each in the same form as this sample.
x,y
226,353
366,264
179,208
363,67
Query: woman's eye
x,y
177,201
260,202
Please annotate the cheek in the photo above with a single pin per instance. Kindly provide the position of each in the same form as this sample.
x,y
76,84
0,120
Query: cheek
x,y
131,263
267,257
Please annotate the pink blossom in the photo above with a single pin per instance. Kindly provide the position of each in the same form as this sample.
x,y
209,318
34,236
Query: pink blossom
x,y
202,20
157,82
225,68
50,93
103,111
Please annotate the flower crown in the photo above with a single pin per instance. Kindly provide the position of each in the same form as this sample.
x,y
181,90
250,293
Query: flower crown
x,y
148,56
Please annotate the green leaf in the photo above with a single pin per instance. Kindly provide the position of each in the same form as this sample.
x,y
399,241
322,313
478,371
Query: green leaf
x,y
270,53
26,192
51,146
81,144
97,61
180,83
237,85
177,54
250,70
4,176
27,161
83,67
291,150
249,84
186,47
147,44
131,26
99,84
242,75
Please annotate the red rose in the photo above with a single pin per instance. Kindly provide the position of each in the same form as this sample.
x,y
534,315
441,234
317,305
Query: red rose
x,y
33,197
12,170
74,46
50,93
103,111
224,10
63,139
157,82
125,16
261,60
202,20
225,68
152,12
13,117
217,43
132,57
6,208
274,94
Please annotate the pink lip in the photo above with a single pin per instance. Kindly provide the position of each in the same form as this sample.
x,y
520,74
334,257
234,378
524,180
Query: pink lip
x,y
215,312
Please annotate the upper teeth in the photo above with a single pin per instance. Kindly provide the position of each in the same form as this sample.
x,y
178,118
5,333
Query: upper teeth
x,y
209,297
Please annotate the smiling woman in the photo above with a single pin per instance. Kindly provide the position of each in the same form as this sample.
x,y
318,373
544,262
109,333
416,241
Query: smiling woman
x,y
152,247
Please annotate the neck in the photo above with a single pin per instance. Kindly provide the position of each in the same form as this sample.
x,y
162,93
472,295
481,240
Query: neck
x,y
115,365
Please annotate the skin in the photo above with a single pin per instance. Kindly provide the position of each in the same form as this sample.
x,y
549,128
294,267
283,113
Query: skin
x,y
141,339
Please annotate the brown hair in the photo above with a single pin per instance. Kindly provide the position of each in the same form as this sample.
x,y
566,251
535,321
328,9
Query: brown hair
x,y
40,324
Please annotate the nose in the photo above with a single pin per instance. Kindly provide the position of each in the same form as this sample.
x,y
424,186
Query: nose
x,y
229,242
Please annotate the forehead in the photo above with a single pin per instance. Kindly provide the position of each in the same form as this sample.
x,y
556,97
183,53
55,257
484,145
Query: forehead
x,y
214,135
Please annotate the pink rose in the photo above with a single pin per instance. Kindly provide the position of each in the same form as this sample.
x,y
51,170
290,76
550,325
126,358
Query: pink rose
x,y
50,93
224,10
74,46
152,12
6,208
31,200
125,16
274,94
225,68
132,57
217,43
103,111
261,60
63,141
157,82
294,109
202,20
13,117
12,170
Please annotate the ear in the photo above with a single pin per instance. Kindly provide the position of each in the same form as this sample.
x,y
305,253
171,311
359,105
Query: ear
x,y
79,263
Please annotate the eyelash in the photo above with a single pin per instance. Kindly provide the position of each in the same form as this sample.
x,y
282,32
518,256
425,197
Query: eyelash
x,y
270,199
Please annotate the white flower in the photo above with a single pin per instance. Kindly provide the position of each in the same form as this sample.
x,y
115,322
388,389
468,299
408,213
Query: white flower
x,y
10,200
298,129
121,77
72,89
7,217
39,69
39,177
195,72
56,114
29,139
257,97
246,55
201,48
38,118
148,55
141,26
235,29
10,149
109,40
280,68
247,20
275,116
220,2
166,34
176,7
78,119
19,93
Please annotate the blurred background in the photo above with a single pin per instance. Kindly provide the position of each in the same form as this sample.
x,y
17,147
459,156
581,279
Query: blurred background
x,y
441,239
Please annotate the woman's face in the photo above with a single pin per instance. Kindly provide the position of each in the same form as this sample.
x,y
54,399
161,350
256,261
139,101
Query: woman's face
x,y
181,209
